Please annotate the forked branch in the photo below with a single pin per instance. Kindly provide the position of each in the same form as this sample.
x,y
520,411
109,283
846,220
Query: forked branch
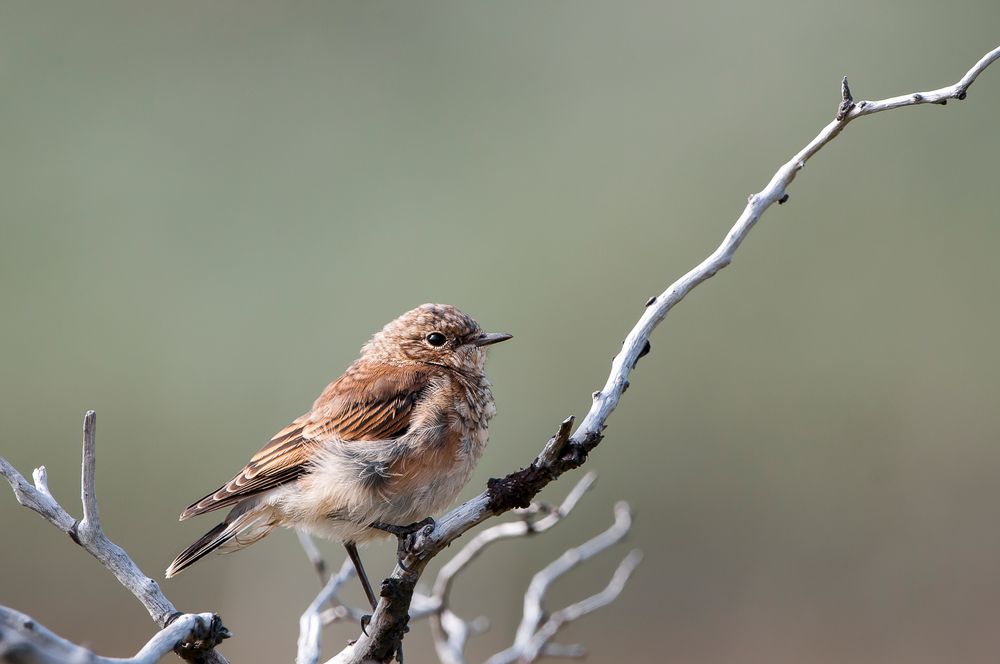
x,y
192,644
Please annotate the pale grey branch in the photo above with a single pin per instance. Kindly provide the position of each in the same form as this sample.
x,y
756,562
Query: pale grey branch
x,y
535,631
636,342
451,632
511,529
311,623
539,643
25,641
91,537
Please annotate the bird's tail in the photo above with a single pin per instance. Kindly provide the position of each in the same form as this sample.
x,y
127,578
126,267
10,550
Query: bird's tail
x,y
241,528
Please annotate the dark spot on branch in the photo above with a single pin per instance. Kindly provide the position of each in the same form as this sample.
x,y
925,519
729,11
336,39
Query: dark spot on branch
x,y
74,534
961,95
171,618
518,489
943,102
646,347
651,301
917,96
783,200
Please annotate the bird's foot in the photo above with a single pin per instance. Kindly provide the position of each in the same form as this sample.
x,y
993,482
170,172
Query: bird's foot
x,y
407,535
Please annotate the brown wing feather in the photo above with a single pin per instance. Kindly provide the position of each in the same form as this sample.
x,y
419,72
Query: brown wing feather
x,y
366,403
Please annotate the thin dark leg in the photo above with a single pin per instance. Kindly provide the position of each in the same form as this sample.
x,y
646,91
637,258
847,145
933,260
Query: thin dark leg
x,y
352,552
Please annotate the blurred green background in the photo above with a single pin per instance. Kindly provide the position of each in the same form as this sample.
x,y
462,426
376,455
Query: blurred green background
x,y
206,208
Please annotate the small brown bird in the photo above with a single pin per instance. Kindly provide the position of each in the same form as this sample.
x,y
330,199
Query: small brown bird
x,y
391,441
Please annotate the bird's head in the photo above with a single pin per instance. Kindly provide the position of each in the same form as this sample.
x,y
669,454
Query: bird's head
x,y
438,334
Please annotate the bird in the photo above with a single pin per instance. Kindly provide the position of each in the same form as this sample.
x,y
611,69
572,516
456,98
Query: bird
x,y
390,442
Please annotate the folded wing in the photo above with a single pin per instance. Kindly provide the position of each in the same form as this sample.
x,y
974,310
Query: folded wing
x,y
367,403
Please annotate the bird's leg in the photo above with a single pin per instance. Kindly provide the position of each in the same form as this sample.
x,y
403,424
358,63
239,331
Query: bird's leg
x,y
352,552
405,534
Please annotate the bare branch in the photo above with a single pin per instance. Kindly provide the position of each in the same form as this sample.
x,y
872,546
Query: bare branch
x,y
511,529
311,623
539,643
23,640
91,537
563,452
451,632
535,631
37,498
637,341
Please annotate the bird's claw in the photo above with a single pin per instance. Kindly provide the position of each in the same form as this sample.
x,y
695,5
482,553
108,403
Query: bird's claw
x,y
365,621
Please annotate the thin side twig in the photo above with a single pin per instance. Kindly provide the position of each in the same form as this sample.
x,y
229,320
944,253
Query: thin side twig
x,y
311,623
450,632
535,631
540,644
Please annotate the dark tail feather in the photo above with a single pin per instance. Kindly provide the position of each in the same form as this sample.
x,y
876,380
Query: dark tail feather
x,y
205,545
243,526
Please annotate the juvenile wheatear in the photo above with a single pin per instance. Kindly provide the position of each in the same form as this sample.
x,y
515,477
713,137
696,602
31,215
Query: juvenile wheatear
x,y
392,441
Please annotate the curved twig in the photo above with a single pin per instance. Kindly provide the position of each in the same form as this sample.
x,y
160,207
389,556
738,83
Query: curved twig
x,y
451,632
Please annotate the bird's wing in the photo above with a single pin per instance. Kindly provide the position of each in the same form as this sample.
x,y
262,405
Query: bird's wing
x,y
366,403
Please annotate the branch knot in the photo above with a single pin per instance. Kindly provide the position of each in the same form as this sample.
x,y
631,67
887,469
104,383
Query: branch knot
x,y
205,636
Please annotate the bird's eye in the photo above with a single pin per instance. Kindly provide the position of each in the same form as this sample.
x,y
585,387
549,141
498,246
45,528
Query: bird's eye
x,y
436,339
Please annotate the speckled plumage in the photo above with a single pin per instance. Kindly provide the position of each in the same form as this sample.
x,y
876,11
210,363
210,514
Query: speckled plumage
x,y
393,440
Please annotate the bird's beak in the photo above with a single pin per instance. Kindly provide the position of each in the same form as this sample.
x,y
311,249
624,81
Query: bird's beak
x,y
489,338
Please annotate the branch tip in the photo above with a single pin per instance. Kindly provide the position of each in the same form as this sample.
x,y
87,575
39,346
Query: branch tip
x,y
845,90
88,489
847,101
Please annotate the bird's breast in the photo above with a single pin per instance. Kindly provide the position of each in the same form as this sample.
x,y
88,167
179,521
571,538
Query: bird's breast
x,y
406,479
